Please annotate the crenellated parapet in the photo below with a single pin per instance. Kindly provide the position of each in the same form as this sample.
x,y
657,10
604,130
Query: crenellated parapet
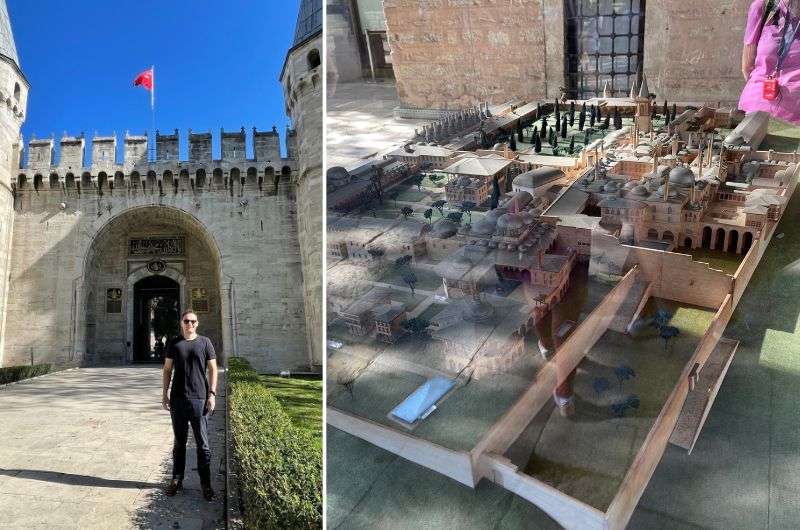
x,y
164,171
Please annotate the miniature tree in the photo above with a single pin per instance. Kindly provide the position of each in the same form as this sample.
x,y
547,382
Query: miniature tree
x,y
571,113
555,150
599,112
557,112
668,332
406,211
572,145
600,385
347,381
439,205
428,214
467,207
519,130
403,261
592,118
623,373
538,110
582,118
410,279
661,318
666,110
455,217
416,326
543,131
586,137
607,123
535,134
495,198
564,127
376,252
617,119
674,112
537,145
418,181
512,143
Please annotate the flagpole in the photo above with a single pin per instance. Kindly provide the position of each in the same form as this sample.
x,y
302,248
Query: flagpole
x,y
153,110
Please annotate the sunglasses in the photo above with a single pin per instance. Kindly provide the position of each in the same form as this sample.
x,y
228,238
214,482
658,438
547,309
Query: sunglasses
x,y
187,321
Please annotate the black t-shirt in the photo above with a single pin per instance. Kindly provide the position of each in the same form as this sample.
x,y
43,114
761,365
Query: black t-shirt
x,y
190,358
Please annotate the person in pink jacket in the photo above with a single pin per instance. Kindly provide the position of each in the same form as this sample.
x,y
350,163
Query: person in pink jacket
x,y
771,59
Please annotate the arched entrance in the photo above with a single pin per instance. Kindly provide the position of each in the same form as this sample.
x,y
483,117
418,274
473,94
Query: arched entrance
x,y
707,235
156,309
142,268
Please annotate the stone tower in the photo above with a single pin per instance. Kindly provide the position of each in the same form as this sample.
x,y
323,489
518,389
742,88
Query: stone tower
x,y
301,78
13,102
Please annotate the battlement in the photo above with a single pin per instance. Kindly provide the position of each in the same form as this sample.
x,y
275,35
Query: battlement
x,y
266,149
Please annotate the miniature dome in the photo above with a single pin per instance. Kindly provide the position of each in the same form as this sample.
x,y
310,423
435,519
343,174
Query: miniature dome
x,y
630,185
527,217
338,176
640,191
510,221
750,169
444,228
498,147
660,192
610,187
681,176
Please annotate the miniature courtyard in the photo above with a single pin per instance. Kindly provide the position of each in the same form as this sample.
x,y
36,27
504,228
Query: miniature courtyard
x,y
540,314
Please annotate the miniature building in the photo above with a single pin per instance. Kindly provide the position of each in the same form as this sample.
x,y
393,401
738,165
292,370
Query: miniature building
x,y
471,178
389,322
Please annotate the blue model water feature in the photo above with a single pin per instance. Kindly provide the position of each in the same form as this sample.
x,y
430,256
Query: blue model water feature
x,y
422,401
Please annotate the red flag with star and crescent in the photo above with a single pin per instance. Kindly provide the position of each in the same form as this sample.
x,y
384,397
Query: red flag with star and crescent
x,y
146,79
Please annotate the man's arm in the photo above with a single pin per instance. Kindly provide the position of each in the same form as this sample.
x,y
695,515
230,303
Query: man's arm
x,y
212,385
748,60
165,379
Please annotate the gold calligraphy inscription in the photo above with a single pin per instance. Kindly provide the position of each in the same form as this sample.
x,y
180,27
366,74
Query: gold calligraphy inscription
x,y
156,246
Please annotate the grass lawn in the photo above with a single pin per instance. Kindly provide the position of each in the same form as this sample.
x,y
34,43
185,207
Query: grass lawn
x,y
724,261
301,398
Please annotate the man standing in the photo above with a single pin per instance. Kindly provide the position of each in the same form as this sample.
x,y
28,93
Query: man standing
x,y
191,400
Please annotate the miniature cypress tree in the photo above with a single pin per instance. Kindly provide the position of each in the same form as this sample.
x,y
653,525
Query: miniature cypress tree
x,y
538,110
537,145
543,132
572,107
535,134
572,145
674,112
665,112
555,150
586,137
617,119
558,124
557,112
512,143
592,118
572,116
607,123
564,127
582,118
495,199
599,113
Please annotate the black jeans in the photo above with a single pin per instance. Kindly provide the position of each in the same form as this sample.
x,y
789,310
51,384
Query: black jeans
x,y
185,412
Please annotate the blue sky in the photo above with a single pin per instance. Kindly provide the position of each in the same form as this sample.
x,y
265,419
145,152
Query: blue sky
x,y
216,65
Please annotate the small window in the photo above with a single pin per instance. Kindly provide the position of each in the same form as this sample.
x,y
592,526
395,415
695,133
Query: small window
x,y
313,59
16,92
200,300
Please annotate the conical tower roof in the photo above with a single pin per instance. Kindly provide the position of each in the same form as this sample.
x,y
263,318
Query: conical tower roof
x,y
309,21
7,46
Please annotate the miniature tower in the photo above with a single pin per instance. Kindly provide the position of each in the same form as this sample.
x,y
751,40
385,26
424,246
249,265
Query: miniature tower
x,y
14,93
644,108
301,78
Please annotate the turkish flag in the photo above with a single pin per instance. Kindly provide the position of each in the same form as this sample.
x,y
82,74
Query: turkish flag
x,y
145,79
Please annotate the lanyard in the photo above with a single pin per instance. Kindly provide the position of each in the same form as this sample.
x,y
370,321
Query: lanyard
x,y
789,33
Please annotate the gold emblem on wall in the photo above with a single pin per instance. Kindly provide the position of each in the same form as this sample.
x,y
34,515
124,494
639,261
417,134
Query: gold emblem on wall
x,y
114,300
200,299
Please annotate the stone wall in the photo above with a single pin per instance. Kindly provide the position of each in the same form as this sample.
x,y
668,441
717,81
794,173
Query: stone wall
x,y
302,82
242,238
693,50
450,53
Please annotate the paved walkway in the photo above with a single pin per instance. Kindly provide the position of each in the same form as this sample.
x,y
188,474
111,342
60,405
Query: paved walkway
x,y
91,448
360,122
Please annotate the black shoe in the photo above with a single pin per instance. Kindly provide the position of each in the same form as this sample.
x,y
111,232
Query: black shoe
x,y
173,487
208,493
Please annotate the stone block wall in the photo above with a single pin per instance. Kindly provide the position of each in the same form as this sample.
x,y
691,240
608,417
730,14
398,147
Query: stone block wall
x,y
448,53
693,50
242,238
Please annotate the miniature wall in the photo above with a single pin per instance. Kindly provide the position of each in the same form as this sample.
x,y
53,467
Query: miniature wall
x,y
677,277
453,464
255,233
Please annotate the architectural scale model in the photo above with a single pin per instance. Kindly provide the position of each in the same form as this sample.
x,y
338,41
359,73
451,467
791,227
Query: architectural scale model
x,y
535,293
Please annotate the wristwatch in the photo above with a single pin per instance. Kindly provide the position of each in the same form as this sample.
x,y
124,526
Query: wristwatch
x,y
212,393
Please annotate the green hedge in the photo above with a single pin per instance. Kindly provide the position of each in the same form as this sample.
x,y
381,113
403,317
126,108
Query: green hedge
x,y
280,465
9,374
